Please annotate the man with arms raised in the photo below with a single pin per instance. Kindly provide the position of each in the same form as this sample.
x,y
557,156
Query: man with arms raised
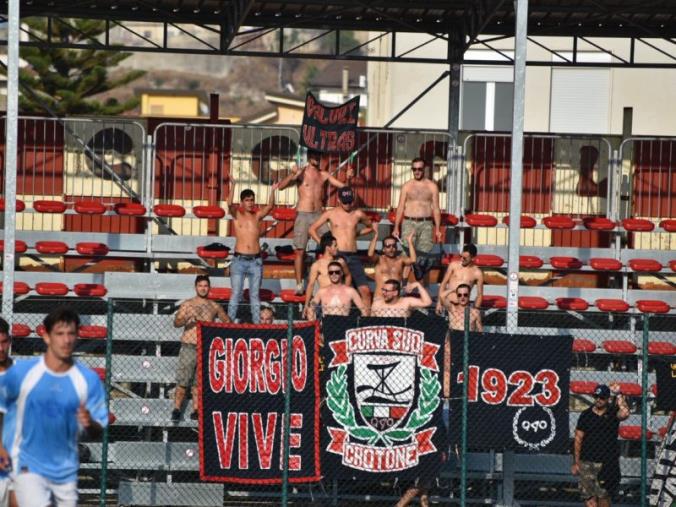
x,y
390,264
310,181
51,400
344,221
390,304
337,298
198,308
418,211
319,274
247,262
459,272
456,309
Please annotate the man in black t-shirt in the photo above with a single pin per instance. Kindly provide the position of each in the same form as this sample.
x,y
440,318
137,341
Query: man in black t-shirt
x,y
596,451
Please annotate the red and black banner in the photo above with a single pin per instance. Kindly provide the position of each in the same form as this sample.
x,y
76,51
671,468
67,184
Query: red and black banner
x,y
330,129
517,391
382,417
241,372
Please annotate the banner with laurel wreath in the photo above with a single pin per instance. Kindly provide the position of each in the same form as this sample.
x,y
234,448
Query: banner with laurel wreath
x,y
382,388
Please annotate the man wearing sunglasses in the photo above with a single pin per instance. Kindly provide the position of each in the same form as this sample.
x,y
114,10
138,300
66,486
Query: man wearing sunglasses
x,y
337,298
390,304
390,264
596,453
456,310
418,212
459,272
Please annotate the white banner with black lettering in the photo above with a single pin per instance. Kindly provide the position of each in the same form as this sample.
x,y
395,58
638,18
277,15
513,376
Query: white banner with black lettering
x,y
663,487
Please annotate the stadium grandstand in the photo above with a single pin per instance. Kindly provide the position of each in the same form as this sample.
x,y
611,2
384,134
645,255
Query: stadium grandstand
x,y
116,216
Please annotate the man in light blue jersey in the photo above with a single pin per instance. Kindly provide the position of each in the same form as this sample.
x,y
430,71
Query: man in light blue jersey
x,y
50,401
7,498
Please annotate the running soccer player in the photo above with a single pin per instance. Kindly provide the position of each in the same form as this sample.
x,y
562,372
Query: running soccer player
x,y
48,402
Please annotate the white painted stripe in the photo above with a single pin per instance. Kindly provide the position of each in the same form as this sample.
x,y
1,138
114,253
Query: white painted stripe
x,y
27,384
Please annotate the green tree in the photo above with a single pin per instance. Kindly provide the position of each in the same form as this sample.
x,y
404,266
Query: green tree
x,y
66,79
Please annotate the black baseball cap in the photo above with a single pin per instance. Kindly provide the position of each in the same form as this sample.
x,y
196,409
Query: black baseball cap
x,y
602,391
346,195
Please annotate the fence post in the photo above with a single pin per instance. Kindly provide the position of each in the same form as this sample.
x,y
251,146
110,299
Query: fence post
x,y
463,424
104,443
287,406
644,411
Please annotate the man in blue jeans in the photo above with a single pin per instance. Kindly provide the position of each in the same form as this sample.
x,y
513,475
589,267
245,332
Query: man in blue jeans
x,y
247,262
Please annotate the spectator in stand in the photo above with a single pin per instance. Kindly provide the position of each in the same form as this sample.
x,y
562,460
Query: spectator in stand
x,y
459,272
267,314
319,275
390,304
457,306
337,298
391,264
596,452
311,181
43,428
418,212
7,497
247,262
198,308
345,220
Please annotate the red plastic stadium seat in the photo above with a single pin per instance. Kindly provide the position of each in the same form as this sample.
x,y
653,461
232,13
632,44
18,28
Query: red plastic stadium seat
x,y
213,254
95,249
89,207
20,330
92,332
20,288
611,305
565,262
559,222
169,210
604,264
530,262
220,293
285,256
132,209
650,265
668,225
101,372
392,216
672,265
578,304
661,349
662,431
638,225
619,347
290,296
284,214
51,288
477,220
208,212
583,345
499,302
265,295
630,388
533,303
448,258
582,386
51,247
19,246
488,260
49,206
599,223
447,219
40,330
90,290
374,216
526,221
629,432
20,205
652,306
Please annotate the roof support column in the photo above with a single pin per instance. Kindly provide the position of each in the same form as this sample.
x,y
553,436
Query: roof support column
x,y
11,129
456,51
516,174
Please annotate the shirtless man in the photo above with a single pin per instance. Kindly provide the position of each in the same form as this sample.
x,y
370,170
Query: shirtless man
x,y
390,264
459,272
198,308
337,298
390,304
344,220
456,310
418,209
247,260
310,181
319,274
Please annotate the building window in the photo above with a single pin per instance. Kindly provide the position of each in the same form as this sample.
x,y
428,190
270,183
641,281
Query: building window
x,y
487,93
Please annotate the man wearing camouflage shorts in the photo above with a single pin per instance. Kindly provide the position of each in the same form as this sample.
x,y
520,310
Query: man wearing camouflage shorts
x,y
596,452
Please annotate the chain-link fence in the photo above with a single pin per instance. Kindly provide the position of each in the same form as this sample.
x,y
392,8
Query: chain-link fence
x,y
375,411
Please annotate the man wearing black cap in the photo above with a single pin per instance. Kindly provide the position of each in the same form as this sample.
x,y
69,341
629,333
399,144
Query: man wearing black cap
x,y
344,220
596,455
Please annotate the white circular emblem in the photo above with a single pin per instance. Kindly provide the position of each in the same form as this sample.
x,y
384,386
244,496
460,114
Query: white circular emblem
x,y
534,429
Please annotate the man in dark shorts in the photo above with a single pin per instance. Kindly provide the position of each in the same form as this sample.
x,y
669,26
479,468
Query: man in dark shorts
x,y
596,454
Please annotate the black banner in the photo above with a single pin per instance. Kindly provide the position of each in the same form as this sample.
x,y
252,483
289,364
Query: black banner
x,y
666,384
330,129
517,391
241,370
382,385
663,485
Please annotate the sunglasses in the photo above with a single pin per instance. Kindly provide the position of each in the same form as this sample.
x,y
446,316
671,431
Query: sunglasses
x,y
417,169
335,272
385,289
389,245
463,295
